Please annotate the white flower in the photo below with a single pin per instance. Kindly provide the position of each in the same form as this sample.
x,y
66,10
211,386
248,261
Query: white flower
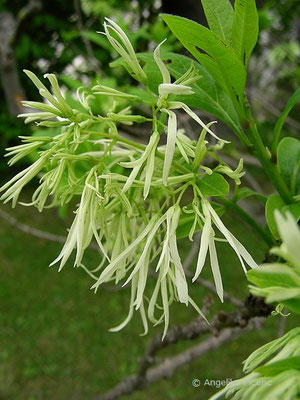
x,y
171,280
124,48
108,91
85,224
177,88
16,184
171,141
207,242
185,145
59,105
173,88
149,157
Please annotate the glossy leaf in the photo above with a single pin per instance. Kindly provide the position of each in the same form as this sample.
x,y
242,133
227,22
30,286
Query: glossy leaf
x,y
245,28
214,185
269,275
288,156
219,15
244,192
208,96
216,57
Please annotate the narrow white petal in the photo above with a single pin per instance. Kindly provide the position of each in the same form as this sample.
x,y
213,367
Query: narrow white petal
x,y
228,235
181,283
131,178
110,269
244,253
215,267
144,319
191,301
153,300
161,65
173,88
170,147
164,295
143,274
68,246
130,314
149,172
147,248
203,247
175,104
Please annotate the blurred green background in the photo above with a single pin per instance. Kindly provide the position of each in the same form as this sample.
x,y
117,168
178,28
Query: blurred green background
x,y
54,339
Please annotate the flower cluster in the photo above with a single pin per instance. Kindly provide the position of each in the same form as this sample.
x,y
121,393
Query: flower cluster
x,y
129,195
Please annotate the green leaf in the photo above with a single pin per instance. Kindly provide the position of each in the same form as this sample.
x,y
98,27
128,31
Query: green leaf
x,y
244,192
208,96
274,202
292,304
294,209
216,57
269,275
219,15
288,156
245,28
214,185
279,124
280,366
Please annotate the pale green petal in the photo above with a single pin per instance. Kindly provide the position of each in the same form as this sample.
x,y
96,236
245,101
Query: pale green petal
x,y
215,267
164,295
173,88
177,104
170,147
130,314
203,247
161,65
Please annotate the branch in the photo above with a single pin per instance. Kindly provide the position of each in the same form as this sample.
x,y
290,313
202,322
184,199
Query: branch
x,y
225,326
170,365
36,232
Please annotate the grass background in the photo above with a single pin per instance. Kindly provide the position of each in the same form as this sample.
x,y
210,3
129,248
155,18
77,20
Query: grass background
x,y
54,339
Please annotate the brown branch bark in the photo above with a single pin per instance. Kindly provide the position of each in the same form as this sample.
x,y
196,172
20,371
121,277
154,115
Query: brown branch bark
x,y
223,327
36,232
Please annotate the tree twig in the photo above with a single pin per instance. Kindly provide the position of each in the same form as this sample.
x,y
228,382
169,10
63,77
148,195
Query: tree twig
x,y
224,327
37,232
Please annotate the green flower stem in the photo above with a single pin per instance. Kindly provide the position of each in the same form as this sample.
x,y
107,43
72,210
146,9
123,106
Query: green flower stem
x,y
265,159
139,146
230,205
